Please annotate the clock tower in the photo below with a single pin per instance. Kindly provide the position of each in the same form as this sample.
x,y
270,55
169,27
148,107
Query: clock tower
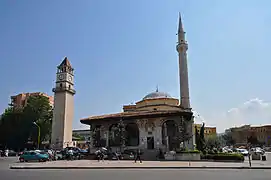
x,y
63,106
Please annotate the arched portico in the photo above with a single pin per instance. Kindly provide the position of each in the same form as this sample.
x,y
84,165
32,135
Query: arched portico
x,y
114,135
169,134
132,134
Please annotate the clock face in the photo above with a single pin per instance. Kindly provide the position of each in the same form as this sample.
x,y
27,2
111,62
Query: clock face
x,y
70,78
60,77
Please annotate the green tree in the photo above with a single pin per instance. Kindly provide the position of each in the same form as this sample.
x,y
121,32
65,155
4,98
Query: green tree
x,y
38,110
16,124
228,139
200,139
197,138
14,128
78,137
212,141
96,137
121,133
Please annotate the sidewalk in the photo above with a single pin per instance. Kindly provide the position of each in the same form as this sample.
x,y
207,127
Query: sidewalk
x,y
90,164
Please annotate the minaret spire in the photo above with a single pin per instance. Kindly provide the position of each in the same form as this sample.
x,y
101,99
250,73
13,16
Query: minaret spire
x,y
182,48
156,88
181,33
180,29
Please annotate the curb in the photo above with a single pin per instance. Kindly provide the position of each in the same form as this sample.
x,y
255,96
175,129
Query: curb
x,y
132,167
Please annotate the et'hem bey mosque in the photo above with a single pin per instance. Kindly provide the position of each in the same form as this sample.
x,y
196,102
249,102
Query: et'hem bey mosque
x,y
158,121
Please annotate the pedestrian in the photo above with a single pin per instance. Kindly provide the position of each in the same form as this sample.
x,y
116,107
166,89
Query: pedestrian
x,y
6,152
138,154
70,154
100,155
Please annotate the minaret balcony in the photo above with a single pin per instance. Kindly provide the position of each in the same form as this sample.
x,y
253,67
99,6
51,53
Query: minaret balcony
x,y
64,89
181,47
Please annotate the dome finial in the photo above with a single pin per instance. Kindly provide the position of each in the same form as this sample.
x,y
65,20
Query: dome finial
x,y
156,88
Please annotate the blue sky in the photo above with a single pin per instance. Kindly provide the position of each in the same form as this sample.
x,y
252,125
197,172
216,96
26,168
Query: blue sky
x,y
122,49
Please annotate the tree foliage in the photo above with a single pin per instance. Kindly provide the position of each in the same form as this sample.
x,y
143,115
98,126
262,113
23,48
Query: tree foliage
x,y
200,139
16,124
39,110
97,140
228,139
212,141
79,137
183,132
121,133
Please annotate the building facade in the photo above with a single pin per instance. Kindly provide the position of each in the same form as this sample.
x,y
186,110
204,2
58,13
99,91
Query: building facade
x,y
260,133
84,133
63,113
158,121
208,131
20,100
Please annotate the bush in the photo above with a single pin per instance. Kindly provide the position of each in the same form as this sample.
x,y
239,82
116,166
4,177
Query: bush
x,y
224,157
211,152
204,152
187,151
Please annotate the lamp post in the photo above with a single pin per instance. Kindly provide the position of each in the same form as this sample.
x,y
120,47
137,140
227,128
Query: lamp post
x,y
38,133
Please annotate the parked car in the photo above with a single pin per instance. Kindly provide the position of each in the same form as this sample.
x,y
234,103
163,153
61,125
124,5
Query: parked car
x,y
244,152
257,150
33,156
77,152
12,153
114,156
58,155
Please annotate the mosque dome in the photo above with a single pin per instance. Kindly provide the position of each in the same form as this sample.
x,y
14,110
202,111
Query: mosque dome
x,y
157,95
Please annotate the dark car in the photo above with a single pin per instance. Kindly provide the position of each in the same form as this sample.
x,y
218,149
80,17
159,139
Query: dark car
x,y
77,152
115,156
12,153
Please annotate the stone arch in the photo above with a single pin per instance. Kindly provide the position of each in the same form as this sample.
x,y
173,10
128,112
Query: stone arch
x,y
169,134
114,136
132,134
97,137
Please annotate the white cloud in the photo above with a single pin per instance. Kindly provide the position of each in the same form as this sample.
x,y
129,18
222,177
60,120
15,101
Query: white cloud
x,y
254,111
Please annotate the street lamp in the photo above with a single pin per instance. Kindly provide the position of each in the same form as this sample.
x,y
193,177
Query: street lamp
x,y
38,133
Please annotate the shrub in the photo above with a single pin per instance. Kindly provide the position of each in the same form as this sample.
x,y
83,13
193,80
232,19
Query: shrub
x,y
204,152
187,151
224,157
211,152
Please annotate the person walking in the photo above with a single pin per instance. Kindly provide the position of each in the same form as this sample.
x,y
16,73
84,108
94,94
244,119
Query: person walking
x,y
100,156
138,154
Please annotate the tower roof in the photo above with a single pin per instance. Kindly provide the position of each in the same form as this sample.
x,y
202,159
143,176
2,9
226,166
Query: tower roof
x,y
180,28
65,62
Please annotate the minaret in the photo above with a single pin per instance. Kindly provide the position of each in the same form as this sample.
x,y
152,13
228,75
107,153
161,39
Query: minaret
x,y
182,47
63,106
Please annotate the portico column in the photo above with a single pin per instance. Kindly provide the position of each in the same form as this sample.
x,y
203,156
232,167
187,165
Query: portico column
x,y
158,137
90,139
91,129
166,136
107,138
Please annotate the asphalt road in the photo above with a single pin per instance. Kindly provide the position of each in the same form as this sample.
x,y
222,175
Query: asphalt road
x,y
202,174
5,162
136,174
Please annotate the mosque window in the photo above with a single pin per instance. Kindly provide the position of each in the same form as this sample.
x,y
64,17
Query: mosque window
x,y
60,85
155,109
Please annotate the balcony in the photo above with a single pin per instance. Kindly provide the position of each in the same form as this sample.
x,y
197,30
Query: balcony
x,y
63,89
